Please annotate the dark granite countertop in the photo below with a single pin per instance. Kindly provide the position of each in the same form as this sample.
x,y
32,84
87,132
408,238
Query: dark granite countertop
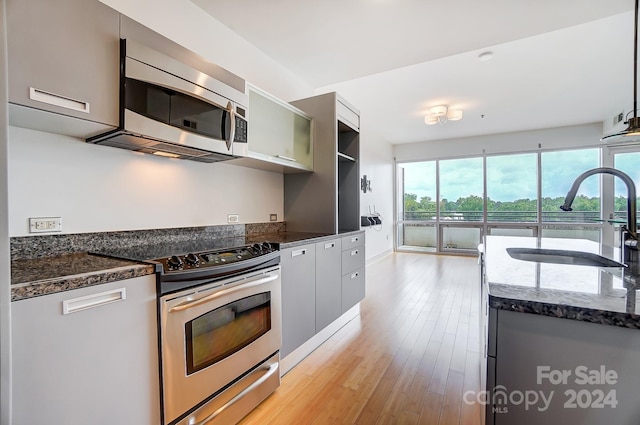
x,y
292,239
592,294
42,276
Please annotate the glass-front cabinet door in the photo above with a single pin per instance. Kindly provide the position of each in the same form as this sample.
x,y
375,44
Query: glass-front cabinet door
x,y
279,132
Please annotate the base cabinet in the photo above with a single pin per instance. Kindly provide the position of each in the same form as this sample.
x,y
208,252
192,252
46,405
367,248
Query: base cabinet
x,y
96,364
298,296
328,283
320,282
353,261
558,371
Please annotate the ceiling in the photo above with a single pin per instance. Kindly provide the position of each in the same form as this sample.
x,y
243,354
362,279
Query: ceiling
x,y
554,63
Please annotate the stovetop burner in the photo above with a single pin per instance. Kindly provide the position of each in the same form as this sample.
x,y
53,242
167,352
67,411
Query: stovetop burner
x,y
214,258
190,263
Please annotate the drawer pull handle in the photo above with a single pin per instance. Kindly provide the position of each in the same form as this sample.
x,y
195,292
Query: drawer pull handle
x,y
354,239
95,300
354,252
298,252
354,275
58,100
329,245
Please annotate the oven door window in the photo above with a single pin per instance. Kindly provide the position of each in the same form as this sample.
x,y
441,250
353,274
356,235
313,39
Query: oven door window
x,y
177,109
221,332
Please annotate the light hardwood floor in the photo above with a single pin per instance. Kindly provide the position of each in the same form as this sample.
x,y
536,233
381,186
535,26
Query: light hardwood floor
x,y
408,359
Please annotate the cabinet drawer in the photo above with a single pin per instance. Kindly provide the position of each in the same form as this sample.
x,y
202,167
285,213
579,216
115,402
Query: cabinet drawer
x,y
349,242
352,259
353,288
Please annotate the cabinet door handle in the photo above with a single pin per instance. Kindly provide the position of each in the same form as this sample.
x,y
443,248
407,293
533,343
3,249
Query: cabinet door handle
x,y
329,245
355,239
286,158
354,252
298,252
58,100
354,275
95,300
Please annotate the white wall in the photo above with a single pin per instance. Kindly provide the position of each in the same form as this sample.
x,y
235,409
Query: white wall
x,y
377,164
99,188
547,139
186,24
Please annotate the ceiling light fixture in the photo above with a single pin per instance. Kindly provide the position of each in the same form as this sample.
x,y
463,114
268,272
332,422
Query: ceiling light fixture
x,y
441,114
633,124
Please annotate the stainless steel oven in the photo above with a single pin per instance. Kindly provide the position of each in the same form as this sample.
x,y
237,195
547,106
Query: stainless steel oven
x,y
220,337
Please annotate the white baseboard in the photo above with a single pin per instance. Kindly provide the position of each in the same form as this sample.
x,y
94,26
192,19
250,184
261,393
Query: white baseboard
x,y
299,354
379,256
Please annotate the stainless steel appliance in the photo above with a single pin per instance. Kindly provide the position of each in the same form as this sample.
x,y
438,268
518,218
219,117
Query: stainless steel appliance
x,y
220,330
172,109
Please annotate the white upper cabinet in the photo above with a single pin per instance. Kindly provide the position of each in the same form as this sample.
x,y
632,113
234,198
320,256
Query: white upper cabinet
x,y
64,58
279,135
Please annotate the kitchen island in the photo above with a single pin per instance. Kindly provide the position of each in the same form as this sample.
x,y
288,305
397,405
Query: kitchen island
x,y
562,341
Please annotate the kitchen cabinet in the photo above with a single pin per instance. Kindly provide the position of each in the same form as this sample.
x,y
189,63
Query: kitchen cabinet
x,y
328,282
353,277
63,57
569,371
279,135
327,200
320,282
298,296
87,356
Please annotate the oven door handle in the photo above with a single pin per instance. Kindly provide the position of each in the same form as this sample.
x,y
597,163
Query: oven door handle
x,y
268,373
193,303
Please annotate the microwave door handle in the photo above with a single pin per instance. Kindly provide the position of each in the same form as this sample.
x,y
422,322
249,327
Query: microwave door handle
x,y
232,125
194,303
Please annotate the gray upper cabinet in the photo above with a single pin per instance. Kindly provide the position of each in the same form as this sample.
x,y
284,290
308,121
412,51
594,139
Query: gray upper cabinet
x,y
63,58
279,135
327,200
328,282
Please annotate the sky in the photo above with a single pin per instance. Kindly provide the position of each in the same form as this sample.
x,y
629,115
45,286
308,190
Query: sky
x,y
511,177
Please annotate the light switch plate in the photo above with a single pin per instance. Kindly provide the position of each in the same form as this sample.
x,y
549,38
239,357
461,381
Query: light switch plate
x,y
233,218
273,217
45,224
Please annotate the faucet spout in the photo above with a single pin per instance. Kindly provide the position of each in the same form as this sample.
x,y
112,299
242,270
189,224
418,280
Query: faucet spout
x,y
631,195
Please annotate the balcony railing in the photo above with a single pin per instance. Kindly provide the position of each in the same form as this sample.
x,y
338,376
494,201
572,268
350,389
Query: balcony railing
x,y
506,216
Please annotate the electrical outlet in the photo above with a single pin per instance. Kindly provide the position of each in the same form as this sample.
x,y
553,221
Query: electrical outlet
x,y
233,218
45,224
273,217
618,118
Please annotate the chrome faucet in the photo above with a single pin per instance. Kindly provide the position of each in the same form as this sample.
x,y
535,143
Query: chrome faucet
x,y
629,233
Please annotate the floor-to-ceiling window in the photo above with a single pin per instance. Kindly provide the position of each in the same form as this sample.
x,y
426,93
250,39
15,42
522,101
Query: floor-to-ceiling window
x,y
418,206
559,170
512,194
461,202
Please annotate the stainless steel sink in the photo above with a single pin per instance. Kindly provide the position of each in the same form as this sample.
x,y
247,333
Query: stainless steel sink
x,y
561,256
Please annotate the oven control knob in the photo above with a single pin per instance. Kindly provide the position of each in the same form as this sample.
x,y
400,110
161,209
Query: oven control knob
x,y
192,259
174,262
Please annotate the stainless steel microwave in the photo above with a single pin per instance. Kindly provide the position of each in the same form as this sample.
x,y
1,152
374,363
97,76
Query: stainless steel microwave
x,y
171,109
